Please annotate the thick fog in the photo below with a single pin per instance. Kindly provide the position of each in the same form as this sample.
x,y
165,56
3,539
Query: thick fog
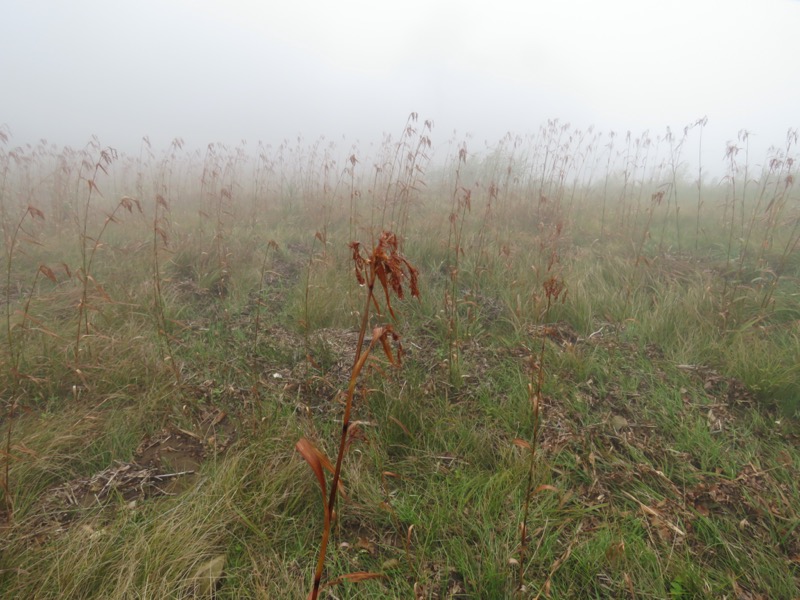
x,y
213,71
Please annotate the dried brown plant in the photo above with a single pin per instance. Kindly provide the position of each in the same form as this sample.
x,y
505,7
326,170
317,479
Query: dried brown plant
x,y
385,266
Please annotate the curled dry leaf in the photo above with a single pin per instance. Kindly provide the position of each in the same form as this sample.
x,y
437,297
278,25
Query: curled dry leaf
x,y
383,334
359,262
48,272
35,212
317,460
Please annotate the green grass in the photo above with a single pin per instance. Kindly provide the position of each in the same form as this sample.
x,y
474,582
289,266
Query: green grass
x,y
667,463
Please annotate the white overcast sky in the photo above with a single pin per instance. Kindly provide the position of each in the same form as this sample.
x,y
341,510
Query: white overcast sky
x,y
212,70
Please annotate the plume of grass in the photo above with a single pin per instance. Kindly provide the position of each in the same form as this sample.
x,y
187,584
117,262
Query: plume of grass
x,y
636,275
655,200
14,402
480,252
730,155
143,166
783,184
610,147
15,350
401,164
584,152
675,164
106,158
409,187
384,266
635,160
771,171
701,123
792,243
161,240
627,162
31,213
508,179
744,138
461,204
5,157
553,289
552,145
646,144
354,194
777,204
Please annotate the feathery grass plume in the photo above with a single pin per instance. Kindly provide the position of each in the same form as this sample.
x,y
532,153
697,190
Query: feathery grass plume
x,y
744,138
623,209
675,151
553,290
636,275
355,194
160,241
647,145
701,124
160,229
792,244
14,402
31,213
5,162
780,181
775,217
730,205
482,260
585,145
106,157
461,204
769,173
610,146
263,170
385,266
413,164
398,167
550,165
15,347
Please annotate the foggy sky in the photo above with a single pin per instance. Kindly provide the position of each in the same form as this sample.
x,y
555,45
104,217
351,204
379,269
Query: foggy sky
x,y
212,71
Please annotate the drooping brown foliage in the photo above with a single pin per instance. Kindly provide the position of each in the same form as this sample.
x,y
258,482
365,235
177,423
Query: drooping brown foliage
x,y
386,265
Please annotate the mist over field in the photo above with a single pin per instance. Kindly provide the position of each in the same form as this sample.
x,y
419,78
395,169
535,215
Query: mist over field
x,y
210,72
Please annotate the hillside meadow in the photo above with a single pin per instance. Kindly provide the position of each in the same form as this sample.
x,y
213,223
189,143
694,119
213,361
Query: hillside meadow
x,y
563,366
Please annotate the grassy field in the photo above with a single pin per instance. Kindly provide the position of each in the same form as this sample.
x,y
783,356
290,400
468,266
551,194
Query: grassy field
x,y
595,394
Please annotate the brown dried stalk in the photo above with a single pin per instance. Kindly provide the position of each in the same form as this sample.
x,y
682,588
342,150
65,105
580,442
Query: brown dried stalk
x,y
386,266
